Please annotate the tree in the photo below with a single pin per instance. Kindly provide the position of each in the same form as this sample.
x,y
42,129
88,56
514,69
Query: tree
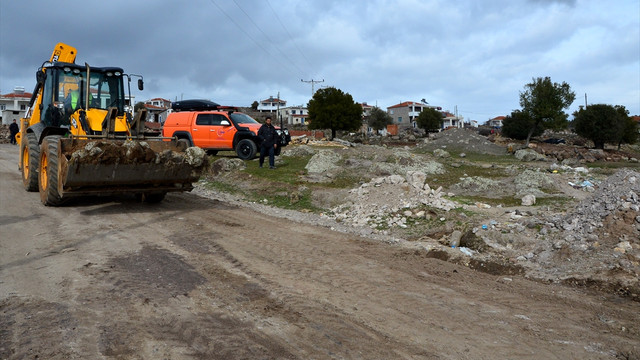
x,y
330,108
630,133
603,123
139,105
254,106
430,119
518,125
544,101
379,119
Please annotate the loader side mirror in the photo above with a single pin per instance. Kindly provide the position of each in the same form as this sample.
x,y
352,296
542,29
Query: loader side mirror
x,y
40,76
140,84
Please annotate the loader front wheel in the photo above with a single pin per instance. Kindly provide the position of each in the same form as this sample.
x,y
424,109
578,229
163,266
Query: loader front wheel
x,y
30,154
49,171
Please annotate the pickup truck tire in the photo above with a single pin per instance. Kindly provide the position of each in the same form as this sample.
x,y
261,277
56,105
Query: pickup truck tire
x,y
246,149
184,141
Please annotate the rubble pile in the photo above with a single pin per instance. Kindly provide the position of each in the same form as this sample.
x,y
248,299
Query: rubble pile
x,y
4,134
463,140
390,201
132,152
600,236
619,193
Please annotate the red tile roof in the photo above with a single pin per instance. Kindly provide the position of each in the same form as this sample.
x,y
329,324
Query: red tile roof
x,y
406,104
17,95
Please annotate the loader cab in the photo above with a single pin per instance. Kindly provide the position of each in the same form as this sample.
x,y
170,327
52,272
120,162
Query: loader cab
x,y
65,92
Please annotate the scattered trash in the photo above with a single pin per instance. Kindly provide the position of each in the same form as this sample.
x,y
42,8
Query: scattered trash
x,y
466,251
484,227
582,185
455,239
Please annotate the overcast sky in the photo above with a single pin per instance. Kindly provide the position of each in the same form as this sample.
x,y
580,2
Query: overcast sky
x,y
471,56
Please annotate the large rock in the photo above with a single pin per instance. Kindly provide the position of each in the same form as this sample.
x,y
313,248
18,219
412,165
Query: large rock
x,y
323,161
529,155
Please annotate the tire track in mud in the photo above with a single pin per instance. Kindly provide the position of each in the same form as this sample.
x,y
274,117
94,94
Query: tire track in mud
x,y
318,275
317,322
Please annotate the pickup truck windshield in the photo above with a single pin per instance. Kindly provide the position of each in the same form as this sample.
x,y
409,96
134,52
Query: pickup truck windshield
x,y
242,119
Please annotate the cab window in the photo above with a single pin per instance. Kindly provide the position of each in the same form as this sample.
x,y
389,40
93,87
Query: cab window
x,y
204,119
217,119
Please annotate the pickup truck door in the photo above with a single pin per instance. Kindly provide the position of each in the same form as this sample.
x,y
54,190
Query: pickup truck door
x,y
201,131
222,132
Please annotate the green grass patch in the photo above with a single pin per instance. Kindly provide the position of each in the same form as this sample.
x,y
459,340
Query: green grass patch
x,y
610,167
288,169
285,198
222,187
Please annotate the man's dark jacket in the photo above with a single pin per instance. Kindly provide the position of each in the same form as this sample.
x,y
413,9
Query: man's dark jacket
x,y
268,135
14,129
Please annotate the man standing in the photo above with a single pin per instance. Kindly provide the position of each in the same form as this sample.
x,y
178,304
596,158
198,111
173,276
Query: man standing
x,y
269,137
14,129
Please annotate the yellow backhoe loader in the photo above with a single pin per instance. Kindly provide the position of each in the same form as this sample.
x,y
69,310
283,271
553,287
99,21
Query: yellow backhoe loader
x,y
78,139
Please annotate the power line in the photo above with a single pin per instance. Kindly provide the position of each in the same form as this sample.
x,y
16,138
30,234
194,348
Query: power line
x,y
268,38
290,36
242,29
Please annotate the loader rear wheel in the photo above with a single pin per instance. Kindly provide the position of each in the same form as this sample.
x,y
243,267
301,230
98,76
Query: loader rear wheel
x,y
30,154
49,170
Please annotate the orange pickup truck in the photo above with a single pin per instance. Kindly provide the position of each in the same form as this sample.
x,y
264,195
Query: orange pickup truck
x,y
216,128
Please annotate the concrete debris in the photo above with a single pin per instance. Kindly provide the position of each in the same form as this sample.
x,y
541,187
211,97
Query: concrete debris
x,y
390,201
195,156
323,161
529,200
529,155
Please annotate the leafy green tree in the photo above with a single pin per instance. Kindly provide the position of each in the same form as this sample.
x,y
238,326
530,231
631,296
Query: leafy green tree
x,y
518,125
544,101
630,129
254,106
330,108
430,119
379,119
139,105
603,124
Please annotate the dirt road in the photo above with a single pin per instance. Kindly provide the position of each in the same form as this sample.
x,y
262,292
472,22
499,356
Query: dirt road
x,y
195,278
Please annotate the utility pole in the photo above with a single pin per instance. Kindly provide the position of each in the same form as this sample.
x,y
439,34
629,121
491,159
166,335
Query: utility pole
x,y
312,84
278,111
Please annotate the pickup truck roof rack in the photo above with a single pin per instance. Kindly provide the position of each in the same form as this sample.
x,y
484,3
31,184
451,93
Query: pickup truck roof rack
x,y
195,105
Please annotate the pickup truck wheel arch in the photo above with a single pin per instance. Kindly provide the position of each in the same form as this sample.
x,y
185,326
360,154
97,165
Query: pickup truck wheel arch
x,y
183,135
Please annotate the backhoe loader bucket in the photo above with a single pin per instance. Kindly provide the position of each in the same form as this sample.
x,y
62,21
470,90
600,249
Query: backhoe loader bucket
x,y
106,167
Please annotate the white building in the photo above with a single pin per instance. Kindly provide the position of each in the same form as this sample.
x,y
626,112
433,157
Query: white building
x,y
293,115
271,104
14,105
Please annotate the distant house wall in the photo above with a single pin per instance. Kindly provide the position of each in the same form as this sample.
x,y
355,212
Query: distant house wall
x,y
271,104
13,106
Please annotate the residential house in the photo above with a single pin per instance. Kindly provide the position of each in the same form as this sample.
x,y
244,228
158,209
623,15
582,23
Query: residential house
x,y
13,106
293,115
157,110
404,114
271,104
636,119
366,113
496,122
452,121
